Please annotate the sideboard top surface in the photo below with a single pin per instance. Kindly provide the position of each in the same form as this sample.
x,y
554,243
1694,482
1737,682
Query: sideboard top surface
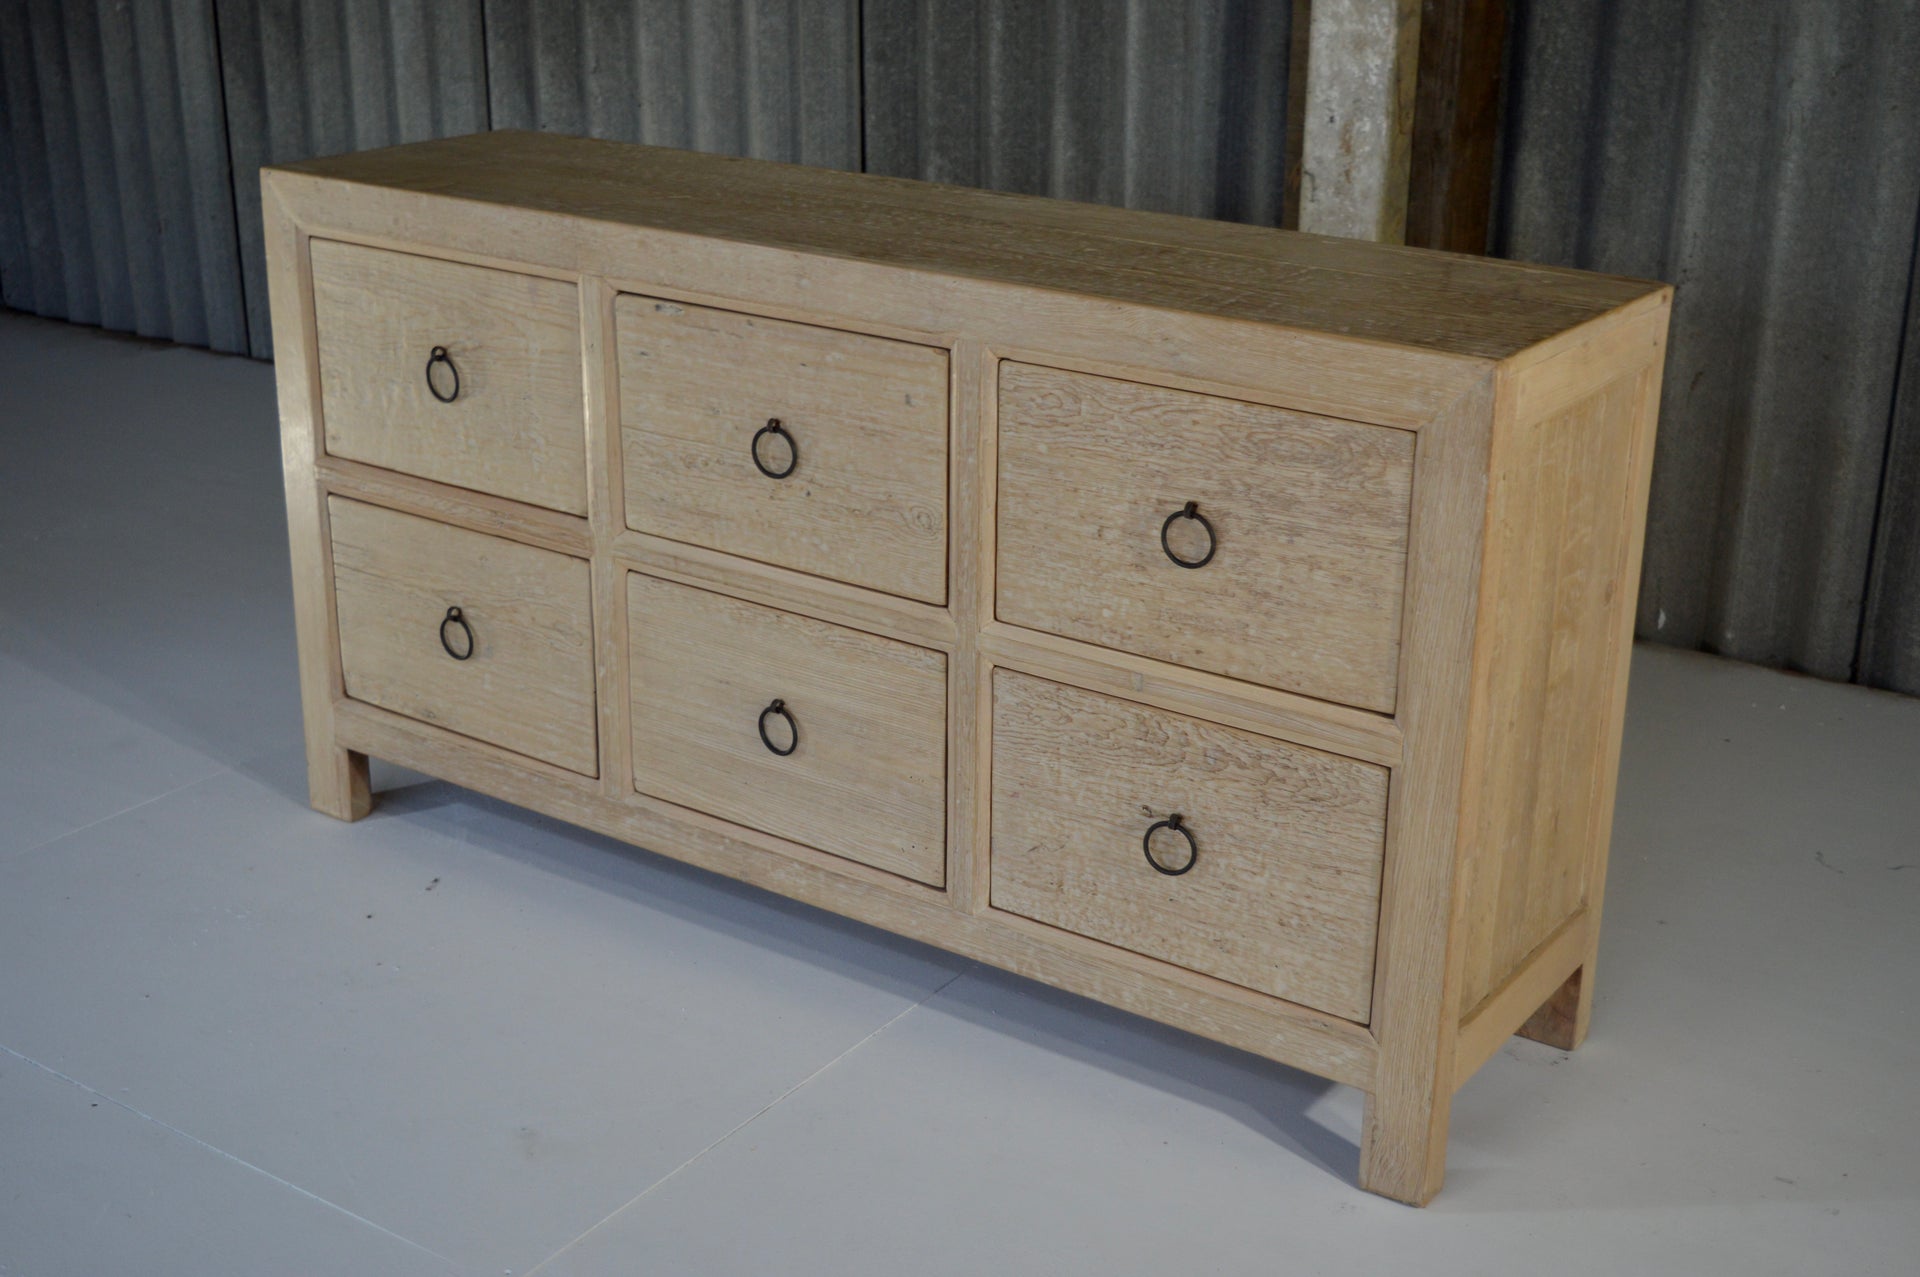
x,y
1474,307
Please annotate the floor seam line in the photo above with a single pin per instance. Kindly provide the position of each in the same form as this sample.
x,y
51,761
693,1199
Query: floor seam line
x,y
217,1151
221,770
759,1113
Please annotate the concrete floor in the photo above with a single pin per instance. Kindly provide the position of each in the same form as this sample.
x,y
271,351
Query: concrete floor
x,y
238,1037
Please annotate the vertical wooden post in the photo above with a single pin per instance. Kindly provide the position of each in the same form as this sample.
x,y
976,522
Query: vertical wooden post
x,y
1297,46
1356,140
337,779
1416,988
1456,124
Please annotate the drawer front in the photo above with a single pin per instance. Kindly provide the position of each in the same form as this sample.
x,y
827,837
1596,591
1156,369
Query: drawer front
x,y
516,423
525,629
863,425
1309,531
1283,892
863,719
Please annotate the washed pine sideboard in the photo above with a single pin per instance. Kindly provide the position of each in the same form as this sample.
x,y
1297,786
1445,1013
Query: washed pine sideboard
x,y
1224,624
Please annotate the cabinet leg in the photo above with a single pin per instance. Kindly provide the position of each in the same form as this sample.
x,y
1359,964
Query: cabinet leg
x,y
1403,1147
337,782
1561,1020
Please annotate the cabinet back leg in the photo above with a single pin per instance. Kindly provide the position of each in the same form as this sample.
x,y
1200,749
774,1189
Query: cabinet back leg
x,y
1562,1019
338,783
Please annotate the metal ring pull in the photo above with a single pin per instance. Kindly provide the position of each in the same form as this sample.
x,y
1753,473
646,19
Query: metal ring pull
x,y
773,427
454,617
440,356
1172,822
1190,511
793,729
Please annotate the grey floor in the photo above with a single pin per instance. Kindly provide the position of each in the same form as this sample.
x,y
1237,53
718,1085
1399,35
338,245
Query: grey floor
x,y
237,1037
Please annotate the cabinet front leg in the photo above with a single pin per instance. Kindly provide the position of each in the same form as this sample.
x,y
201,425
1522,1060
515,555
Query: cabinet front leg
x,y
337,782
1403,1146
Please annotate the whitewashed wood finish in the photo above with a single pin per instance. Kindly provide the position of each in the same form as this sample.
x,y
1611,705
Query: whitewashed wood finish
x,y
515,429
867,500
528,686
1459,356
337,778
867,778
1284,892
1310,515
1322,1044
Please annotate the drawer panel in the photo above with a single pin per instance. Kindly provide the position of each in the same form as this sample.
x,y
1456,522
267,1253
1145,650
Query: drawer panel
x,y
864,426
866,777
528,685
1283,894
516,426
1309,516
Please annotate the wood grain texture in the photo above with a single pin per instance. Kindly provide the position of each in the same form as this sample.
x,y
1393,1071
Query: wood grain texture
x,y
1309,515
1556,520
1456,124
599,371
1611,713
515,427
1336,729
461,507
1352,290
1406,409
1284,892
1275,1030
1416,1000
1536,984
867,500
867,778
791,591
1300,368
970,594
337,778
529,685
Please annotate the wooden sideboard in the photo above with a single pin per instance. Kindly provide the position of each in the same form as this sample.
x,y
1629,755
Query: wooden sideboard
x,y
1225,624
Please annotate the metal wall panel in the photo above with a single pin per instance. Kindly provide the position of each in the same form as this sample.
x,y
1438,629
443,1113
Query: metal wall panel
x,y
776,79
1765,158
1890,641
1762,157
318,77
115,169
1174,107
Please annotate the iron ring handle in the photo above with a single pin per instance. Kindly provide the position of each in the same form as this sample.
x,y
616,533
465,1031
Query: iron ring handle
x,y
440,356
455,617
1189,511
773,427
793,728
1173,822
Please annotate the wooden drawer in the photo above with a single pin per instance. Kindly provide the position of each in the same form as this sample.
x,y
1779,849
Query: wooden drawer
x,y
516,426
1283,894
1304,588
865,426
527,685
866,777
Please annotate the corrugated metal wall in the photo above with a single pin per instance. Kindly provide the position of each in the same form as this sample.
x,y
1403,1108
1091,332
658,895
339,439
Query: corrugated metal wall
x,y
116,204
776,79
1179,108
1764,157
317,77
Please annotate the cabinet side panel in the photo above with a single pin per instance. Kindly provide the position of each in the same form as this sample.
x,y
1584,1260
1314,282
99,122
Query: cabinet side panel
x,y
1564,515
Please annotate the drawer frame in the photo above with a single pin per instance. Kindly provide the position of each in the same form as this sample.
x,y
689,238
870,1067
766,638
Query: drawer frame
x,y
1442,1005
